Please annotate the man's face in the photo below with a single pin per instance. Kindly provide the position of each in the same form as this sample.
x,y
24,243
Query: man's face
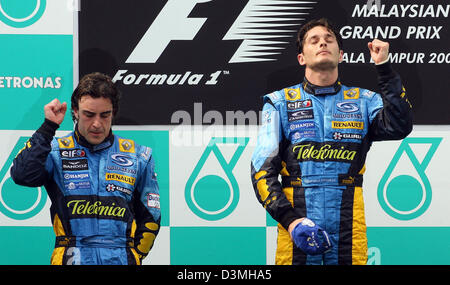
x,y
94,117
320,50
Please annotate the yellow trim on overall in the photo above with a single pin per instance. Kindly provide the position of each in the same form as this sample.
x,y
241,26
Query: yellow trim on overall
x,y
146,242
284,171
133,251
136,256
285,247
260,174
289,192
58,252
57,256
58,227
263,188
359,235
363,170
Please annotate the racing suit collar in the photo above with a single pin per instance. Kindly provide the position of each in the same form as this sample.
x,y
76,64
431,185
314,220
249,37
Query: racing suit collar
x,y
321,90
83,142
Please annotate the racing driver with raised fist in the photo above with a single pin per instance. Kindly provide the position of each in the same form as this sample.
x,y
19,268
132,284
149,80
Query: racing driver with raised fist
x,y
316,135
105,197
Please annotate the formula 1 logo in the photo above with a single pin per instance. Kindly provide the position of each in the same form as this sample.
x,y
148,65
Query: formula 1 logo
x,y
21,13
261,26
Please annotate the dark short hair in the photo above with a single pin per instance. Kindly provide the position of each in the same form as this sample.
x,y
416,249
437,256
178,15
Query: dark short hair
x,y
314,23
96,85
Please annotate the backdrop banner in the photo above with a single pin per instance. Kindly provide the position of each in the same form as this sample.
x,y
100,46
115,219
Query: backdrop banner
x,y
172,58
192,74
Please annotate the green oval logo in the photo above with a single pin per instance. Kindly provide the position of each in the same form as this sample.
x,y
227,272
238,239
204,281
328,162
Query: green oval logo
x,y
21,13
19,202
213,197
405,197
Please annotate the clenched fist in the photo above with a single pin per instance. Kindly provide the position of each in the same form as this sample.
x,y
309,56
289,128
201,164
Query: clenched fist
x,y
55,111
379,50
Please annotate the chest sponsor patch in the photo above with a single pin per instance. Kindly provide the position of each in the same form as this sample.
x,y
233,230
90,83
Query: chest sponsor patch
x,y
299,104
347,107
308,133
97,207
121,178
302,130
74,185
347,125
74,164
76,176
306,114
72,153
74,181
304,125
329,151
340,136
111,188
122,163
347,110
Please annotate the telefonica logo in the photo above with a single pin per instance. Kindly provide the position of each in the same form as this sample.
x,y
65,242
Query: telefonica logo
x,y
21,13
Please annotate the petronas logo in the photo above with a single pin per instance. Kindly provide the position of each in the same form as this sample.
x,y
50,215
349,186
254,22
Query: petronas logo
x,y
21,13
18,202
214,196
406,196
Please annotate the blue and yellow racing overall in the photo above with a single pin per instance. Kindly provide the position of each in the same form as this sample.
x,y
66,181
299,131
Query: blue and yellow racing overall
x,y
317,139
105,198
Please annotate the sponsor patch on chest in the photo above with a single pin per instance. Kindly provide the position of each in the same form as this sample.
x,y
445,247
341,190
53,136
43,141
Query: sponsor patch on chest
x,y
347,125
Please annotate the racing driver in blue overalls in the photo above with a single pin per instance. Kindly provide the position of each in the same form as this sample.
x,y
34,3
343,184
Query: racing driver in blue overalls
x,y
316,135
103,188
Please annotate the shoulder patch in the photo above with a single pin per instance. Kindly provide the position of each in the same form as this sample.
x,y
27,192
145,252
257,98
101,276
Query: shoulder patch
x,y
367,93
273,97
292,94
147,153
126,145
66,142
352,93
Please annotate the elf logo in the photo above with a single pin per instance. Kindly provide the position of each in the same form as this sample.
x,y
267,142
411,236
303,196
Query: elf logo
x,y
261,26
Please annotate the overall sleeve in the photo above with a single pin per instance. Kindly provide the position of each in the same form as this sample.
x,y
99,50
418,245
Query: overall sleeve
x,y
390,113
146,210
32,167
266,165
